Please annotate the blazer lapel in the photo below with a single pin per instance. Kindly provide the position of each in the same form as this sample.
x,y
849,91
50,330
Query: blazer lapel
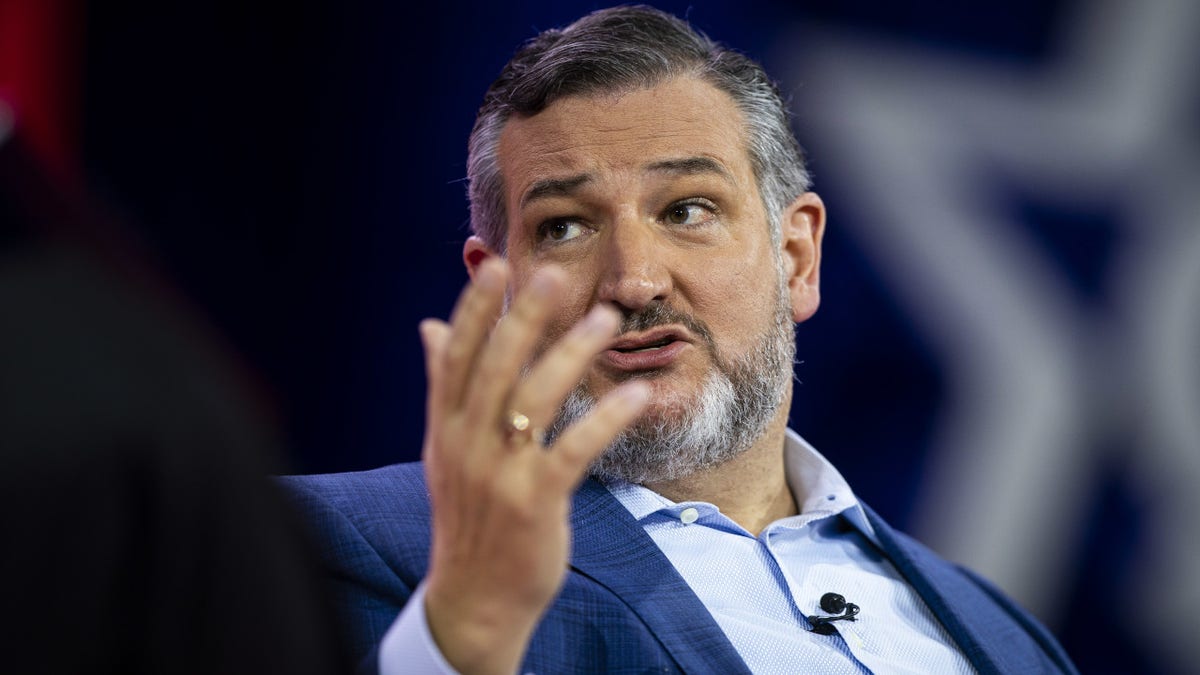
x,y
611,548
971,618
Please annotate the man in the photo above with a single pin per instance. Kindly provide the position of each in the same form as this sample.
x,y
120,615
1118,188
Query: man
x,y
644,243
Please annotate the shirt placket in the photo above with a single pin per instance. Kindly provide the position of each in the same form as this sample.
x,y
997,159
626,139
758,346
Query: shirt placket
x,y
782,535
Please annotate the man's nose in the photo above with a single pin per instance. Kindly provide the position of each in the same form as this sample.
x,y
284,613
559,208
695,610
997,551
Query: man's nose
x,y
635,269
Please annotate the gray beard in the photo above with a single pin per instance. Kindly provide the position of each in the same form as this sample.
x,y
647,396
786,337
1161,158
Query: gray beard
x,y
732,410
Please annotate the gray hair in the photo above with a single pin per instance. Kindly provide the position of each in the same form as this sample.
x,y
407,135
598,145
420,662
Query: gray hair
x,y
625,48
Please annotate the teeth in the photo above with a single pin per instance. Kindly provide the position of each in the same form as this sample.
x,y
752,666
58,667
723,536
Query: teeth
x,y
650,347
647,349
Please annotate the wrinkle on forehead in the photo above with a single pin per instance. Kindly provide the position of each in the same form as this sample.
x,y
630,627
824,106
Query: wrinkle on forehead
x,y
618,133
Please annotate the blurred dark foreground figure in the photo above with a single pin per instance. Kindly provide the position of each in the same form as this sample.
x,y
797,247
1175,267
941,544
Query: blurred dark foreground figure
x,y
141,534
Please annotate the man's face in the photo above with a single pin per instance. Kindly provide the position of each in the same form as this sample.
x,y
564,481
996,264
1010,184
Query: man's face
x,y
648,201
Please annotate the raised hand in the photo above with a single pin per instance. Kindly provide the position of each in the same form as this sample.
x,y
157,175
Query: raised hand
x,y
501,500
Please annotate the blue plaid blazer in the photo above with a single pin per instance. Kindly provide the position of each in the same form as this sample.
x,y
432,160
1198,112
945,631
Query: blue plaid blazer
x,y
623,607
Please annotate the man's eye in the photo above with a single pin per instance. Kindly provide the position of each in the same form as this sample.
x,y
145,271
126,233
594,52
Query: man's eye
x,y
687,213
560,230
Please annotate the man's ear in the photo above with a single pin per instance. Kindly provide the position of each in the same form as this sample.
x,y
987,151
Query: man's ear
x,y
803,226
474,253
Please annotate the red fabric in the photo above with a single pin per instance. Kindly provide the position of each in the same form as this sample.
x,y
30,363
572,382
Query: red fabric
x,y
39,48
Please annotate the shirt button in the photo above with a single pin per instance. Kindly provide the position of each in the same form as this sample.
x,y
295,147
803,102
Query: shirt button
x,y
689,515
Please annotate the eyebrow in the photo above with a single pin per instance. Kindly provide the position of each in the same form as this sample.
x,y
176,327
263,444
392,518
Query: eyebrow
x,y
691,166
554,187
565,187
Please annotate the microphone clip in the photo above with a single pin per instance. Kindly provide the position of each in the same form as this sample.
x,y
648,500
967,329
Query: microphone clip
x,y
833,603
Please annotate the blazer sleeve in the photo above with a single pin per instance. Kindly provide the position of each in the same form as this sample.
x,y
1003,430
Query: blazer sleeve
x,y
368,582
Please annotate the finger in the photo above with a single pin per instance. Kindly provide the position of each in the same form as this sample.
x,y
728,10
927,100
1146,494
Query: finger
x,y
498,370
584,441
560,369
434,334
473,317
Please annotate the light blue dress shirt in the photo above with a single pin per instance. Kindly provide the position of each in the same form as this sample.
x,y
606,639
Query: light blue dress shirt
x,y
761,589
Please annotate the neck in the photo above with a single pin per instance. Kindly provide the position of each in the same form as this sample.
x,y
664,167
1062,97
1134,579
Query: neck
x,y
750,489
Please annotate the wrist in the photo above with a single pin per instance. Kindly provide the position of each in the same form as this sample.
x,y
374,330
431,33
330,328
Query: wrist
x,y
478,636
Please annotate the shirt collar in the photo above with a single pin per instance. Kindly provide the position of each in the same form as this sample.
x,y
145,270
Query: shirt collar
x,y
818,486
815,484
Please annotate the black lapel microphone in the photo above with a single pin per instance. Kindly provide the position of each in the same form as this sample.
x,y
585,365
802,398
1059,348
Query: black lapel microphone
x,y
833,603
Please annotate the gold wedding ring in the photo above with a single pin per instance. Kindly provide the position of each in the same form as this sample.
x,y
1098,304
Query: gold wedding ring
x,y
519,424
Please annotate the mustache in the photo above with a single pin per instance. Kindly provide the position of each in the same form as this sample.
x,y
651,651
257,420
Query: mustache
x,y
659,313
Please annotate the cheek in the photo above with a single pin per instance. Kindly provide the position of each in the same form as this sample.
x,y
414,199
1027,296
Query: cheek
x,y
576,298
738,301
735,284
561,318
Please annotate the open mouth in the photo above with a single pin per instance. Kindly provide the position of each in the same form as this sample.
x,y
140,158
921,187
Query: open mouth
x,y
658,348
646,347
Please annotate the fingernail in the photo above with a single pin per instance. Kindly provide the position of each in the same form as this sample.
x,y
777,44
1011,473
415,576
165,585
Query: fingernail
x,y
427,329
491,275
544,283
635,394
599,321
